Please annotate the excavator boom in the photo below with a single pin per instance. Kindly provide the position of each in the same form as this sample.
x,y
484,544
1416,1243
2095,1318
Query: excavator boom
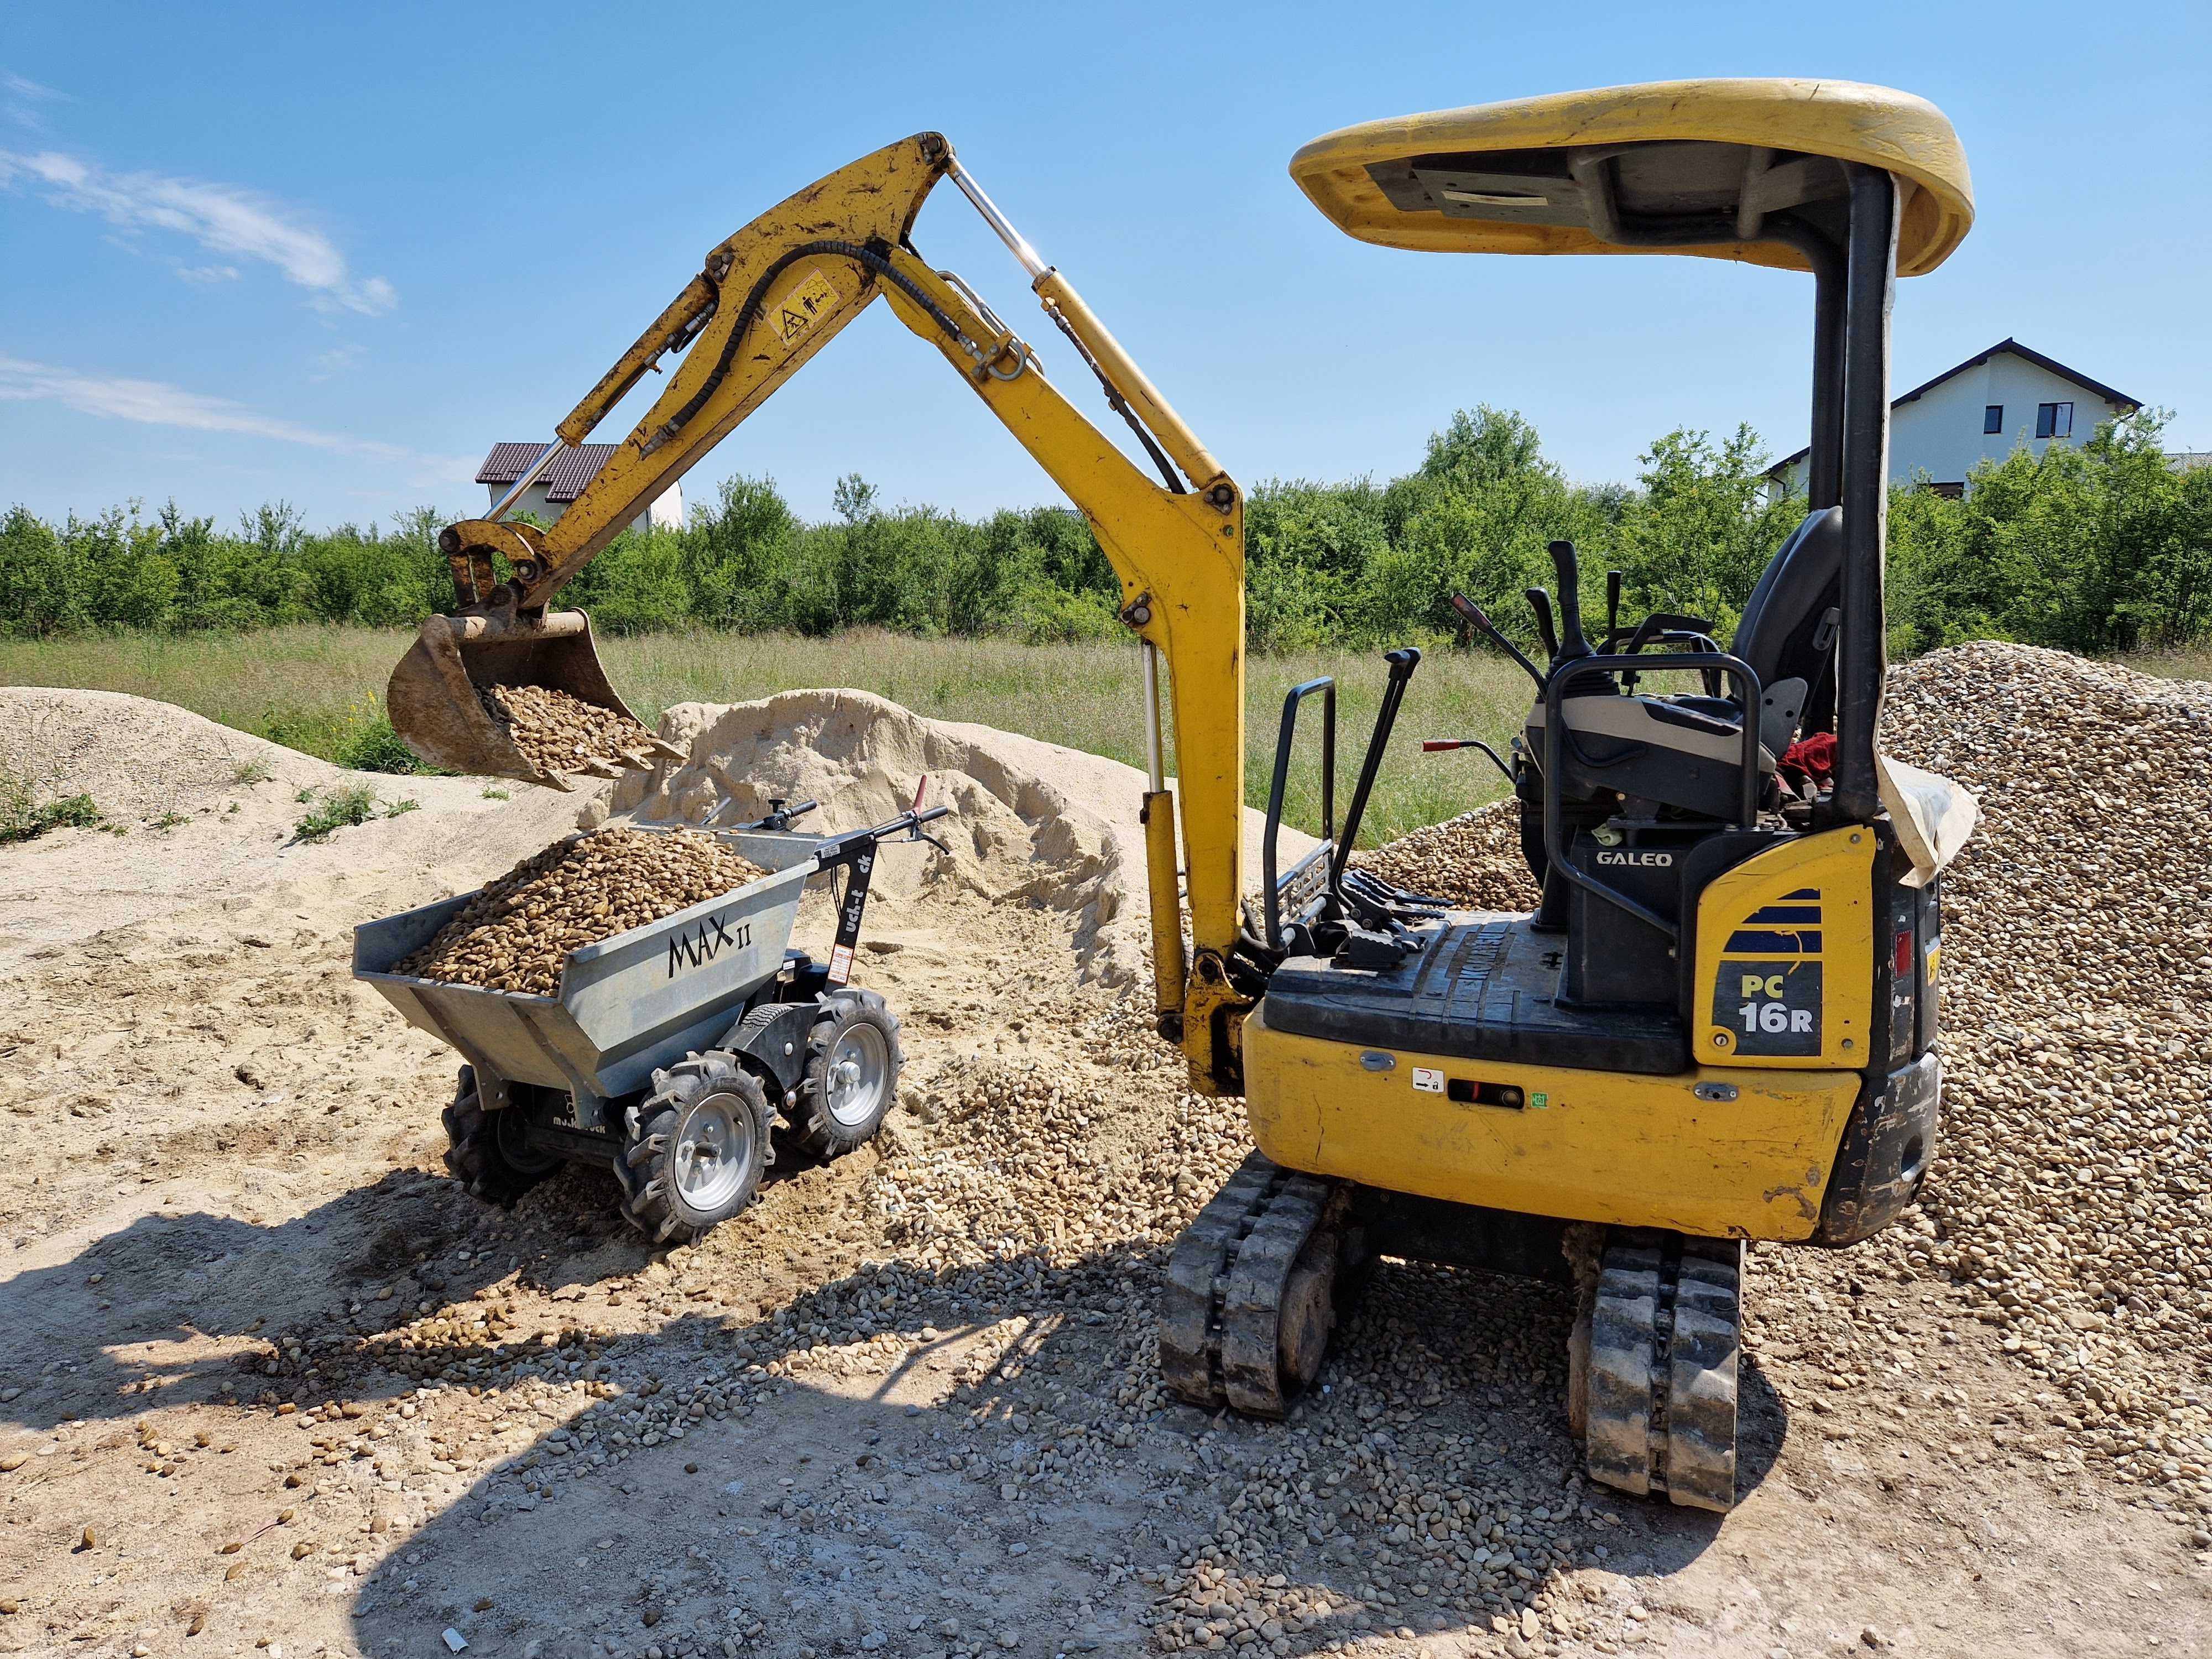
x,y
764,302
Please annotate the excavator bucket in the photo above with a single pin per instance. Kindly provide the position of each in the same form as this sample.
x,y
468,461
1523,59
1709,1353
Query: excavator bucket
x,y
504,687
441,701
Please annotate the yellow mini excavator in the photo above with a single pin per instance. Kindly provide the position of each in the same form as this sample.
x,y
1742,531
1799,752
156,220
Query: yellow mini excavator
x,y
1719,1023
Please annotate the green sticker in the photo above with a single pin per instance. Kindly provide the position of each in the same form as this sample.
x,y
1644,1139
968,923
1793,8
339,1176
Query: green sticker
x,y
1539,1102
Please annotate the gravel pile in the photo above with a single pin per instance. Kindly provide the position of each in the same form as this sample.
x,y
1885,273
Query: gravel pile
x,y
2071,1195
1473,861
516,933
557,732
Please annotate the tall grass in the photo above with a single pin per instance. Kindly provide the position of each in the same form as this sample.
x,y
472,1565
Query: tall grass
x,y
320,690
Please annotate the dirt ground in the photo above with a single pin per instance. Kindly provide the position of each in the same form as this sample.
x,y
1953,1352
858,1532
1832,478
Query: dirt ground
x,y
272,1384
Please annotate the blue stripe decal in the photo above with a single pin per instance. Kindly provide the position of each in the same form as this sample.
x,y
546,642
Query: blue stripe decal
x,y
1782,916
1802,893
1805,943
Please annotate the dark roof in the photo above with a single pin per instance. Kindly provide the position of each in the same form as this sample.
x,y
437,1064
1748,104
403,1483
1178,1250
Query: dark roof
x,y
564,480
2128,406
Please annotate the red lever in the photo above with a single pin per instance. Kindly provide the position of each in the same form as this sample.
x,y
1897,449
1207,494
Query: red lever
x,y
1438,745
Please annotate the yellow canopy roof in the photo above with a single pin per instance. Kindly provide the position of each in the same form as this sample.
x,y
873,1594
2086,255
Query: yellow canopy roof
x,y
1575,172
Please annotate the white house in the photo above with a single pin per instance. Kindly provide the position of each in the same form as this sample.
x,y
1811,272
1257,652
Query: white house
x,y
1983,409
564,480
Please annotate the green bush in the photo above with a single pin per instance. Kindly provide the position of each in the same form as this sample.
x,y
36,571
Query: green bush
x,y
335,810
2100,547
22,818
375,747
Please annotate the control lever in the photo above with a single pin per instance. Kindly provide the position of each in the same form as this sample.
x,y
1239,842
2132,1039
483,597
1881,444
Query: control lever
x,y
780,812
1481,620
1572,644
1403,661
1540,603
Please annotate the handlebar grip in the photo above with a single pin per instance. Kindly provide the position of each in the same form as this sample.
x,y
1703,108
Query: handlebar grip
x,y
1540,603
933,814
1568,570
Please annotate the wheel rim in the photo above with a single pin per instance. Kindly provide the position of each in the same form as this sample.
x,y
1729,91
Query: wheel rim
x,y
859,1073
714,1151
511,1134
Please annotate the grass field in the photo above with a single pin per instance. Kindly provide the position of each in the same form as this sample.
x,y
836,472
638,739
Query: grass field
x,y
318,689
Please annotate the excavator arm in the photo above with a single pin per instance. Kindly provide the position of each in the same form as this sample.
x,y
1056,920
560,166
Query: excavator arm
x,y
766,301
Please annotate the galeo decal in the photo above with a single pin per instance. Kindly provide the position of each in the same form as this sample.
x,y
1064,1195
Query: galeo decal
x,y
1767,994
1632,855
689,947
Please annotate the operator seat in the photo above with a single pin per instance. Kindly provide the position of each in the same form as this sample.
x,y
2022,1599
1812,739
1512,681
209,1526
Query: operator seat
x,y
1685,750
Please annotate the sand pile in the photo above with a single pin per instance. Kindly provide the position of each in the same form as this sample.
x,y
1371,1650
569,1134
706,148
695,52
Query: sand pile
x,y
518,932
1022,831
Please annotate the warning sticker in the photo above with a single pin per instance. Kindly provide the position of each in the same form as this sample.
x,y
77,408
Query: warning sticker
x,y
840,964
1428,1079
789,318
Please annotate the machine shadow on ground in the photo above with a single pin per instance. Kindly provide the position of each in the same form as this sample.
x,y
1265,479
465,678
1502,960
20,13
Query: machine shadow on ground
x,y
845,1500
937,1487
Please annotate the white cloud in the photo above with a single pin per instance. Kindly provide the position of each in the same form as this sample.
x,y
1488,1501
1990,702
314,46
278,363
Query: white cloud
x,y
224,219
207,275
21,96
156,402
338,360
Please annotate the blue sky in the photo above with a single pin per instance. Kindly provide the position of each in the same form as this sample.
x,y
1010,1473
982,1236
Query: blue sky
x,y
329,254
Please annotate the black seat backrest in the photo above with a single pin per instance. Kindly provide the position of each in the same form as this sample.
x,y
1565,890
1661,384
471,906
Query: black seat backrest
x,y
1801,585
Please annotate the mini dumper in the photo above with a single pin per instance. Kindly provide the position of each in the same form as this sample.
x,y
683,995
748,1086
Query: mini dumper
x,y
669,1051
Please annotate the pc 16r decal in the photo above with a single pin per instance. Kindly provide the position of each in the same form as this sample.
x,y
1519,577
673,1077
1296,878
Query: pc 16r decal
x,y
1769,998
1771,1007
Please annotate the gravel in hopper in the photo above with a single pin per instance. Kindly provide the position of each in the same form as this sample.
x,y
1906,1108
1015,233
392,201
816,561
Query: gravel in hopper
x,y
516,933
557,732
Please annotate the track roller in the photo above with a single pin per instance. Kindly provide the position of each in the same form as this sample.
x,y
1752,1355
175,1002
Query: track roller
x,y
1249,1301
1658,1379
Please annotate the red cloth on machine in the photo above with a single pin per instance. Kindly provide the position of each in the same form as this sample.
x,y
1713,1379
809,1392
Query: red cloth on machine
x,y
1813,757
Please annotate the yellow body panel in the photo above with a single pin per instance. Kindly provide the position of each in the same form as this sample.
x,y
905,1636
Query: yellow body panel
x,y
1874,125
1785,957
1604,1146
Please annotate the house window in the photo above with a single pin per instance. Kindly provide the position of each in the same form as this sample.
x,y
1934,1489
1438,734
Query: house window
x,y
1993,418
2054,419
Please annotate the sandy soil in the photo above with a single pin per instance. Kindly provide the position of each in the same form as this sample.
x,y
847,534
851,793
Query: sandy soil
x,y
271,1384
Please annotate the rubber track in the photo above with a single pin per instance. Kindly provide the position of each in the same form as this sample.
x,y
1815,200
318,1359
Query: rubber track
x,y
1219,1315
1665,1341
